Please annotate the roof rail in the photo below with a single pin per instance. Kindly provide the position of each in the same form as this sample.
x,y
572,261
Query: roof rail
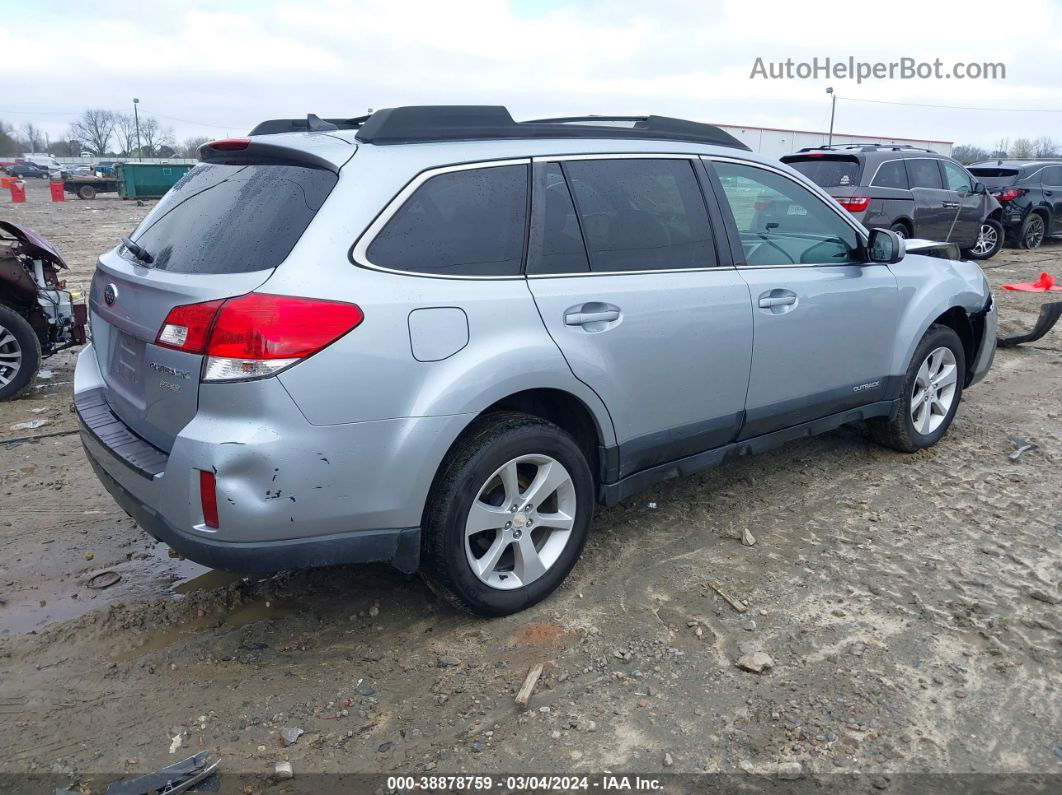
x,y
432,123
866,148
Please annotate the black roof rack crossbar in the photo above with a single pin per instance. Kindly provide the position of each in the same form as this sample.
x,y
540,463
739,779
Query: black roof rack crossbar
x,y
435,123
861,147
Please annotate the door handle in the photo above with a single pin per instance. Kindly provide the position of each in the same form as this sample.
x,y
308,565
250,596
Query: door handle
x,y
766,302
950,205
1049,193
582,318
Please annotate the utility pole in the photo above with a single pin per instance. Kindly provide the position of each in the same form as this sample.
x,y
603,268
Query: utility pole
x,y
136,119
833,110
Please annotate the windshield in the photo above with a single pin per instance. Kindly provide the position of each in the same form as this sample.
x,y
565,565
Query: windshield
x,y
828,172
222,218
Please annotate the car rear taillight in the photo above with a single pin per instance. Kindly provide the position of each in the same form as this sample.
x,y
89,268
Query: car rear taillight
x,y
256,335
208,498
854,204
230,144
1009,194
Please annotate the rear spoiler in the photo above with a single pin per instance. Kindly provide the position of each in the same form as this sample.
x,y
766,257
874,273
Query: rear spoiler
x,y
245,151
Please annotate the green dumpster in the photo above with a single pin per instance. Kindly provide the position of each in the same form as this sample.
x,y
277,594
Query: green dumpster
x,y
148,180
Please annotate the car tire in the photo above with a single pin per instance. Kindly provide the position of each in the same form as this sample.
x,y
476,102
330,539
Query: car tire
x,y
901,229
989,241
929,396
502,569
20,353
1033,231
86,192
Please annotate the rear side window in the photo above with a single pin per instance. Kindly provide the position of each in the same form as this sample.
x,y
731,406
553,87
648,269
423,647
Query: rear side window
x,y
828,172
556,242
924,173
891,174
641,214
1053,176
461,223
223,218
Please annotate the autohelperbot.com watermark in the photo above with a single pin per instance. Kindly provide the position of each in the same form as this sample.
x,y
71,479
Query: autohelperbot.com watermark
x,y
852,69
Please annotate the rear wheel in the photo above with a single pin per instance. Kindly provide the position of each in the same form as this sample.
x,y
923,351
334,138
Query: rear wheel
x,y
20,353
508,516
901,229
86,192
930,394
1032,231
989,240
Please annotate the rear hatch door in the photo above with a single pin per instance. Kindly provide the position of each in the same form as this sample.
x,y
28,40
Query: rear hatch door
x,y
220,232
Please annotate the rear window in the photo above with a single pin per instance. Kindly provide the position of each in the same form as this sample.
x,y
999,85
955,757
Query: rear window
x,y
223,218
996,177
828,172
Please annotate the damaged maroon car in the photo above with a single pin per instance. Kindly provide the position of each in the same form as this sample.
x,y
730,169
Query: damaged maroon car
x,y
38,316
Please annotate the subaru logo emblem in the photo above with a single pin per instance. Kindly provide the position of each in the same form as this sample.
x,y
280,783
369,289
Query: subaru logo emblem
x,y
110,294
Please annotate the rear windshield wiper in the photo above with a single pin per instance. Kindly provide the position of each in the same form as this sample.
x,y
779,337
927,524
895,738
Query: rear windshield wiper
x,y
138,250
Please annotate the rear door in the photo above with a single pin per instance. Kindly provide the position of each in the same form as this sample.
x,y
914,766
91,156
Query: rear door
x,y
823,319
631,283
218,233
934,207
1052,184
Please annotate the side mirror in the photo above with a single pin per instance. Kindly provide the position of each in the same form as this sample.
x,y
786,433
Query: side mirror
x,y
980,189
885,247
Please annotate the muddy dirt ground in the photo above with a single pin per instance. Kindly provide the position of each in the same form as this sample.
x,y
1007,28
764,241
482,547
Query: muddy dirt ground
x,y
910,605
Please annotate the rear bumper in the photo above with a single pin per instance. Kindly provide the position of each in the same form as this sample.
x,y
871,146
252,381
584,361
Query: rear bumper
x,y
290,494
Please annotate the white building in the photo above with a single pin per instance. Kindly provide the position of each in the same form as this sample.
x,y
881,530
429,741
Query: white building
x,y
775,142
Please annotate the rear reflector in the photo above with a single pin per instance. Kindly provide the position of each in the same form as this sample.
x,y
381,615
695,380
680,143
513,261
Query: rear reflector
x,y
208,495
256,335
854,204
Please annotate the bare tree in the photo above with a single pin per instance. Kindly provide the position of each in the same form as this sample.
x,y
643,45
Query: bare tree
x,y
153,136
1001,148
1045,147
125,131
190,146
967,153
8,144
95,129
32,137
1022,149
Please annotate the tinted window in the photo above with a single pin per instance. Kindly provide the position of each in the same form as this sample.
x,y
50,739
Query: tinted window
x,y
233,219
957,177
924,173
641,214
556,242
783,223
1053,176
828,172
996,177
468,223
891,174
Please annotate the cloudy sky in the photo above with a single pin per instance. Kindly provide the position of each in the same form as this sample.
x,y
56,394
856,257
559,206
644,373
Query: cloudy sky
x,y
216,68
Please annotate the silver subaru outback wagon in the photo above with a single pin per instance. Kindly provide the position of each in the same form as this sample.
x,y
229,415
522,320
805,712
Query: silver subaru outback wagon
x,y
437,337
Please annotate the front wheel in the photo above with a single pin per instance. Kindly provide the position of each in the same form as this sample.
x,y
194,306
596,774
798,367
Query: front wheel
x,y
989,240
508,515
20,353
930,394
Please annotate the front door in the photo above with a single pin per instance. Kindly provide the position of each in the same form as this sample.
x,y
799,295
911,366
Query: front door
x,y
967,216
624,268
1052,185
823,320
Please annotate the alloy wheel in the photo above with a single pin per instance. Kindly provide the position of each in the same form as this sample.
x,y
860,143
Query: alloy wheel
x,y
987,239
1034,232
10,356
934,390
520,521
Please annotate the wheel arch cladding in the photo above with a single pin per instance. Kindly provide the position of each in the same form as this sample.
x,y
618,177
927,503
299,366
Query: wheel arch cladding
x,y
957,319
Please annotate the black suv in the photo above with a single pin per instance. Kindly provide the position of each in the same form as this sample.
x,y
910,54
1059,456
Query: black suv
x,y
914,192
1031,194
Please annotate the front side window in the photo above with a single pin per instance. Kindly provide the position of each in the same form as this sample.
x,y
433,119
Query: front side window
x,y
783,223
460,223
924,173
957,177
891,174
641,214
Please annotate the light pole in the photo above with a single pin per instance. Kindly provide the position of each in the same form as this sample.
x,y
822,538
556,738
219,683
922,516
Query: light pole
x,y
136,120
833,110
